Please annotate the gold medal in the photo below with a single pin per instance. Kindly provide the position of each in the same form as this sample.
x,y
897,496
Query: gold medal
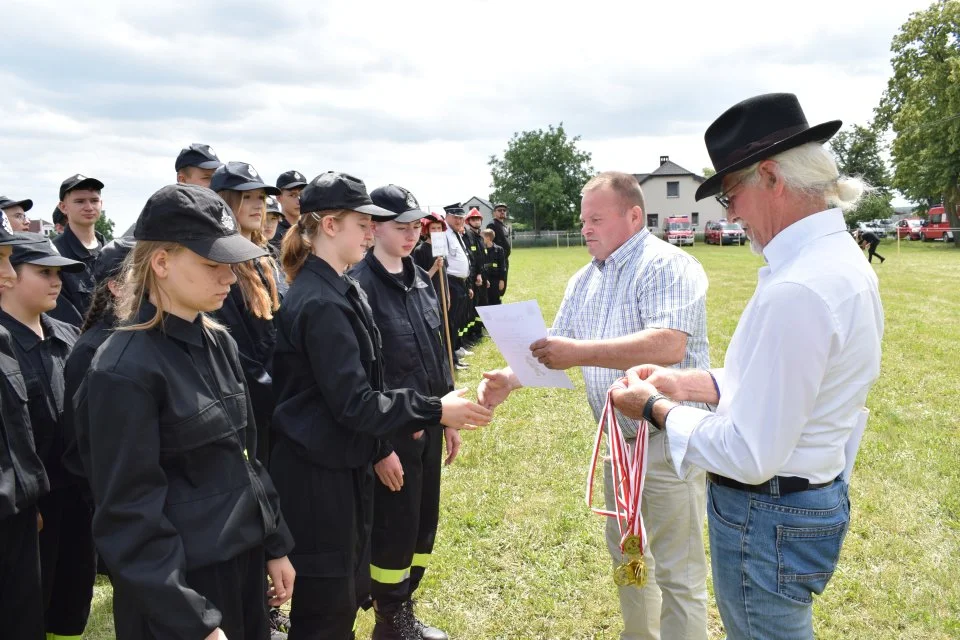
x,y
638,572
631,546
623,576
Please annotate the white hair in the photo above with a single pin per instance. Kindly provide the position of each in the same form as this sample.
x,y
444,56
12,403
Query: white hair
x,y
810,169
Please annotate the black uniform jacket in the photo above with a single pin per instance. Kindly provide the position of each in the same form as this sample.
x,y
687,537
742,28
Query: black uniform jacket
x,y
22,477
408,317
42,362
500,237
167,441
494,267
477,252
78,363
423,257
78,288
282,227
328,374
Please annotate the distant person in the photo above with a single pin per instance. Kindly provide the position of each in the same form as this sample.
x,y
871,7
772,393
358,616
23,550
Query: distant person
x,y
81,205
290,183
502,239
195,164
494,268
869,240
16,213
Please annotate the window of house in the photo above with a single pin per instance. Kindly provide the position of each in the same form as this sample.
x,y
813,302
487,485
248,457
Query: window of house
x,y
673,189
695,218
652,220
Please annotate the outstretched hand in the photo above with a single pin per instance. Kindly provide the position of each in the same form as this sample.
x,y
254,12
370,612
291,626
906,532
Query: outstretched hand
x,y
460,413
494,388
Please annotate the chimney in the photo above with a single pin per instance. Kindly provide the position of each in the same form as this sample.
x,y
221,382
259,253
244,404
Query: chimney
x,y
664,160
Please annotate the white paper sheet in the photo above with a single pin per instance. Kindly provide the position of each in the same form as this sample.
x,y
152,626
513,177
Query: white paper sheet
x,y
853,444
514,327
438,242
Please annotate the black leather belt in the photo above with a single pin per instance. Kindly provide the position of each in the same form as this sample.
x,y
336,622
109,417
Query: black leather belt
x,y
784,484
457,278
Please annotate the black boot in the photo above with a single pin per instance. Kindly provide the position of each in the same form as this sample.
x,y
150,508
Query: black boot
x,y
426,632
394,622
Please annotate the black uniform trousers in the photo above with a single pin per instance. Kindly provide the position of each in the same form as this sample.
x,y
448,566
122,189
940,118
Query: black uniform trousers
x,y
459,310
21,594
405,521
493,293
329,512
68,561
872,251
480,295
235,587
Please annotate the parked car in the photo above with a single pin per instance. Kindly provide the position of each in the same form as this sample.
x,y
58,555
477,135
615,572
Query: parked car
x,y
936,226
887,225
678,230
722,232
865,227
909,228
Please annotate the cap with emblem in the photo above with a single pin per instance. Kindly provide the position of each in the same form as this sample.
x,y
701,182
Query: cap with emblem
x,y
239,176
455,209
78,181
291,180
398,200
198,219
111,258
42,253
6,203
273,207
335,190
197,155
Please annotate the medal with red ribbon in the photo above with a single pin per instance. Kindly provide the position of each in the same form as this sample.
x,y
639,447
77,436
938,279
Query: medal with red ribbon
x,y
629,466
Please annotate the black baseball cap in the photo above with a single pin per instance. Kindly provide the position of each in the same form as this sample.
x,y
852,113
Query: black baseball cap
x,y
41,252
197,218
197,155
239,176
335,190
78,181
6,203
291,180
455,209
273,207
111,258
58,217
398,200
500,205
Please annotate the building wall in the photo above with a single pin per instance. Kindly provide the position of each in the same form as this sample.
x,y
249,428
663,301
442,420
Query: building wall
x,y
655,195
486,211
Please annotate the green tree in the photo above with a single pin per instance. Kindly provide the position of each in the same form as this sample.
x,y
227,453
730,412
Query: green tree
x,y
857,151
921,105
105,226
540,177
708,171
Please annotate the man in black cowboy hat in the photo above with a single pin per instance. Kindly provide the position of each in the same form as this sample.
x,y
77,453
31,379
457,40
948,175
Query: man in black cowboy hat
x,y
790,398
501,237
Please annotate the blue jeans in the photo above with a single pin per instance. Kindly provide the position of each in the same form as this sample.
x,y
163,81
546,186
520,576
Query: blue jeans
x,y
770,554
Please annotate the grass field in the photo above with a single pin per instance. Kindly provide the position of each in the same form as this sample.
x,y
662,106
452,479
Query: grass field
x,y
519,556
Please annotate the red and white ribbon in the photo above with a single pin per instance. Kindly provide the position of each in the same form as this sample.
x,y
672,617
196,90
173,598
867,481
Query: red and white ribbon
x,y
629,471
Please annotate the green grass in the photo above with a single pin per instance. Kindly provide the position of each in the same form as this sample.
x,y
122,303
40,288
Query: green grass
x,y
519,556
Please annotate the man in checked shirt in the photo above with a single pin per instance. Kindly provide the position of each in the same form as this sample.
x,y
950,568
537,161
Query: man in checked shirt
x,y
639,299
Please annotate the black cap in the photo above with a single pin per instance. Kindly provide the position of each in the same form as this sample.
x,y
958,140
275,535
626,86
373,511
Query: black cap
x,y
239,176
111,258
58,217
291,180
273,206
499,205
335,190
78,181
398,200
197,155
41,252
197,218
455,209
6,203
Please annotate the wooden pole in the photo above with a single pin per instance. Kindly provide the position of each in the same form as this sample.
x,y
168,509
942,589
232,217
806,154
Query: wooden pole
x,y
446,322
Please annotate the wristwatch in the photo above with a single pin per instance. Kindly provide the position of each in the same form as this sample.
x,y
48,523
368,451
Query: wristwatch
x,y
648,408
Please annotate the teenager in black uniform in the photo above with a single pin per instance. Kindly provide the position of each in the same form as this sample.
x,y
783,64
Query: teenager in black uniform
x,y
333,407
23,482
290,183
271,222
478,256
248,310
494,269
406,505
502,239
185,516
195,164
41,343
81,204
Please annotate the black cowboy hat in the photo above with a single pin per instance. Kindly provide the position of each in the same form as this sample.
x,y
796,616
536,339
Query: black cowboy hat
x,y
756,129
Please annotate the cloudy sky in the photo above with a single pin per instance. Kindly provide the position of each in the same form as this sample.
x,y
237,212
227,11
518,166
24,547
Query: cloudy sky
x,y
420,94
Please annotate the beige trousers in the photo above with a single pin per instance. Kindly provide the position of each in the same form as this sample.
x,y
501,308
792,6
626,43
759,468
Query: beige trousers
x,y
673,604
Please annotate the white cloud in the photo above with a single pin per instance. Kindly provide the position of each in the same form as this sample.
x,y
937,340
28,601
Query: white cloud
x,y
416,93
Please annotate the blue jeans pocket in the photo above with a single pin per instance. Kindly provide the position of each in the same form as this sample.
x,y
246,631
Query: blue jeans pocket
x,y
807,557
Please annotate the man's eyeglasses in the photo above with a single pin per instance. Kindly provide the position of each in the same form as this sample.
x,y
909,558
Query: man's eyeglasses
x,y
724,197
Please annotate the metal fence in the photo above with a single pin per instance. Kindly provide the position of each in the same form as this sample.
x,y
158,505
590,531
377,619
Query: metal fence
x,y
565,238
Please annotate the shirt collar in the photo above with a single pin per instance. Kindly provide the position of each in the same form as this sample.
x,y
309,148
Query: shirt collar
x,y
788,243
80,251
320,267
25,336
174,326
624,252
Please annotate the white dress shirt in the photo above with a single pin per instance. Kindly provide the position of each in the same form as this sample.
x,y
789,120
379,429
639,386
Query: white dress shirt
x,y
799,366
458,265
